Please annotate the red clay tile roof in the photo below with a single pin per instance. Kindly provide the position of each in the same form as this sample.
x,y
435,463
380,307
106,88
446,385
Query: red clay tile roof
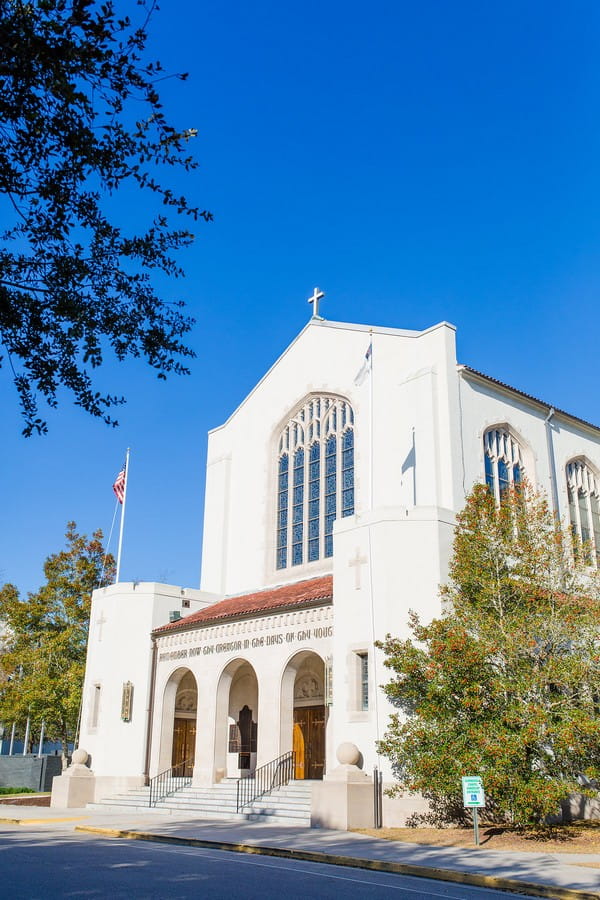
x,y
302,593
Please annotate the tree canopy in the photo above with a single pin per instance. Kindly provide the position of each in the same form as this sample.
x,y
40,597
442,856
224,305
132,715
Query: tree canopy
x,y
45,639
80,120
505,684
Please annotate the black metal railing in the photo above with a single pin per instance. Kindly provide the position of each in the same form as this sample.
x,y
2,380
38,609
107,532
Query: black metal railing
x,y
170,780
265,779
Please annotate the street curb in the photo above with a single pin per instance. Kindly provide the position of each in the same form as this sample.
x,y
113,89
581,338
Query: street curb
x,y
487,881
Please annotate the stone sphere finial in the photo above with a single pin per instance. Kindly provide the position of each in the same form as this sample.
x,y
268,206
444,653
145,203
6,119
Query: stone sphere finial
x,y
348,754
80,757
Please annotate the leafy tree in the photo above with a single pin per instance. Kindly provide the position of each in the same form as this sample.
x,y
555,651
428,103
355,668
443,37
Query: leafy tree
x,y
80,120
46,638
505,683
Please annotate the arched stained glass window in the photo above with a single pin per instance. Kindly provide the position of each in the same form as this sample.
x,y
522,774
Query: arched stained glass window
x,y
282,511
315,479
347,473
330,492
503,461
314,491
298,508
584,507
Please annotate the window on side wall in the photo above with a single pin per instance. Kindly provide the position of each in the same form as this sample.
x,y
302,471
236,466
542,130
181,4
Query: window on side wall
x,y
503,461
363,680
95,705
583,491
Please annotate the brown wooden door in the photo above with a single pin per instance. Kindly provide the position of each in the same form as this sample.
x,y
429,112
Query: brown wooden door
x,y
184,743
309,737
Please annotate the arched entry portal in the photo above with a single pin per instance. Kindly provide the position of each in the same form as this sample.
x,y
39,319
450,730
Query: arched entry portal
x,y
178,728
304,713
236,733
184,725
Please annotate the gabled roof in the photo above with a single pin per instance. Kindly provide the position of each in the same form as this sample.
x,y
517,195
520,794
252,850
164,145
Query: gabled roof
x,y
336,326
468,370
312,592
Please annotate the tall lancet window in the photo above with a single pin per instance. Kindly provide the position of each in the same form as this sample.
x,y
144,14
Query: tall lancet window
x,y
584,507
298,508
315,484
503,461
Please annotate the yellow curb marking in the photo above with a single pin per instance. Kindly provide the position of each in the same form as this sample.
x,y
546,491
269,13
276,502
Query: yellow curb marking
x,y
491,881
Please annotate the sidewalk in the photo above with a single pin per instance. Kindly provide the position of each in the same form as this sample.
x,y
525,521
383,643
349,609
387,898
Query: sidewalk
x,y
554,875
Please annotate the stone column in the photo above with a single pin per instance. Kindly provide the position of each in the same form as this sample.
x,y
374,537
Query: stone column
x,y
269,713
205,772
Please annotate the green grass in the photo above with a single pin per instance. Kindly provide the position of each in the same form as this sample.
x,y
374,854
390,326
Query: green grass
x,y
16,790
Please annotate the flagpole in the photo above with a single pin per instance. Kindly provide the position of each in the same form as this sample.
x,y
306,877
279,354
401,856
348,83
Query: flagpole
x,y
371,597
122,517
371,427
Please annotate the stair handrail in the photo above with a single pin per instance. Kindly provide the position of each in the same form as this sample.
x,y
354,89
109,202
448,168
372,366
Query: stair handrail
x,y
276,773
171,780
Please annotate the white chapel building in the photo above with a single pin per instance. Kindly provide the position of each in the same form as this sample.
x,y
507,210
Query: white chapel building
x,y
329,513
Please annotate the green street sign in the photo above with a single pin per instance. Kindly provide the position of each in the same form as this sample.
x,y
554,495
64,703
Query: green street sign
x,y
473,793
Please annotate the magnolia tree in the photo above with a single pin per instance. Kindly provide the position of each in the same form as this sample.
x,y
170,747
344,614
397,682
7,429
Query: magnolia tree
x,y
45,639
506,683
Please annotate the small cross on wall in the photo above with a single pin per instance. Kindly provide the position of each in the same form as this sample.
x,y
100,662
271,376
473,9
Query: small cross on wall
x,y
317,295
356,562
100,621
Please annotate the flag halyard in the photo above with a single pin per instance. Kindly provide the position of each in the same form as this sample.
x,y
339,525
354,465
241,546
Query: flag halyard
x,y
365,369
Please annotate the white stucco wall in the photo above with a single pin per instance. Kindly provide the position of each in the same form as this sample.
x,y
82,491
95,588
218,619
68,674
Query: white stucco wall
x,y
119,650
485,405
413,390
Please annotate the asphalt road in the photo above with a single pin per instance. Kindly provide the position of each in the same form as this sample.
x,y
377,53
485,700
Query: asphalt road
x,y
43,865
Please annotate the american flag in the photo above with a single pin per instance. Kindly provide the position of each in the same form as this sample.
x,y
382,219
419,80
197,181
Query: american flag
x,y
119,485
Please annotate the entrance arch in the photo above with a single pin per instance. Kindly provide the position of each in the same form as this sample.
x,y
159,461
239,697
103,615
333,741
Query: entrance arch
x,y
236,731
304,714
180,704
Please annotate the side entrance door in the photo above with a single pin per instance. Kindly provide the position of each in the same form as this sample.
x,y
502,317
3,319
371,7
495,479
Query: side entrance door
x,y
184,744
309,741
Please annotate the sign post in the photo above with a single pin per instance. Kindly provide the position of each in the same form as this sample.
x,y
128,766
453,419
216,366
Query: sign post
x,y
473,798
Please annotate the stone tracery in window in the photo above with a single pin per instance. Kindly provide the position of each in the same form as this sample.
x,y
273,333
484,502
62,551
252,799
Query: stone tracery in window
x,y
315,479
583,491
503,461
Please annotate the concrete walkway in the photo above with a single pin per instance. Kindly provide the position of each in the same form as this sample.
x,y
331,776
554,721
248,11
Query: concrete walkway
x,y
561,876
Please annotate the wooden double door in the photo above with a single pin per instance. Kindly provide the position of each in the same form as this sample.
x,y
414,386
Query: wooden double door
x,y
184,745
309,741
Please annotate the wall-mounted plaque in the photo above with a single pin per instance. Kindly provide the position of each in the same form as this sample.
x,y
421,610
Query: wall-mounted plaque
x,y
127,701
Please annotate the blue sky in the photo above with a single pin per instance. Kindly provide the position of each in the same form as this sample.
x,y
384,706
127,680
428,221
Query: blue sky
x,y
418,162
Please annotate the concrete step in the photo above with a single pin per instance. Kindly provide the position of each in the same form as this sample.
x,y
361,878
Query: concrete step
x,y
289,805
259,805
208,797
264,808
